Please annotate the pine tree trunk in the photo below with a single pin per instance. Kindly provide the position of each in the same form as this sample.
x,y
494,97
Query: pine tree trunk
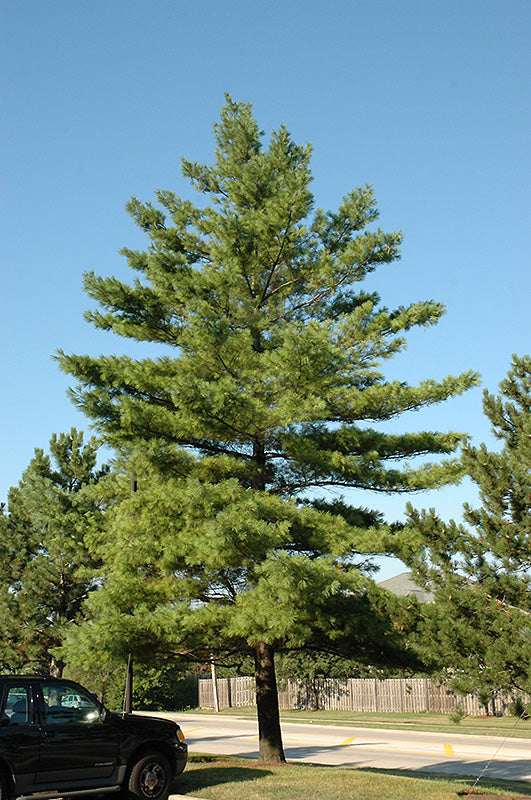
x,y
56,667
269,732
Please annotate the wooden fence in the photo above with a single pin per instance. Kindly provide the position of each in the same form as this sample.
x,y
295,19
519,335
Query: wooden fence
x,y
357,694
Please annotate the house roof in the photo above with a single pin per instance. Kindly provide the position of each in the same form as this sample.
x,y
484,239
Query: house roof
x,y
403,585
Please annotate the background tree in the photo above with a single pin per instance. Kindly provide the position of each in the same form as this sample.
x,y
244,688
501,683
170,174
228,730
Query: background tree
x,y
47,570
263,395
480,624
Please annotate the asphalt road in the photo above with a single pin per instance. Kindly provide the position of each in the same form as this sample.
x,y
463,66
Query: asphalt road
x,y
461,754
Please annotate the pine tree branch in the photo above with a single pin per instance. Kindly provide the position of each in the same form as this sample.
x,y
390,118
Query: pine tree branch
x,y
276,261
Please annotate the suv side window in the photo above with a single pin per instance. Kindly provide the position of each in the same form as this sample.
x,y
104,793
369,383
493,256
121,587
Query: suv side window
x,y
64,705
17,707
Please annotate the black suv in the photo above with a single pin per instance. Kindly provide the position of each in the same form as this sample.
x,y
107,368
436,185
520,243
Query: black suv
x,y
57,740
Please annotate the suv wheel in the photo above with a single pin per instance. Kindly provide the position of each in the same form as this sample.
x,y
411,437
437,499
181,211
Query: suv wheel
x,y
150,777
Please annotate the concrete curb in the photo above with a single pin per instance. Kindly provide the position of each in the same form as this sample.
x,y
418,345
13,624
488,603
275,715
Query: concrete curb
x,y
183,797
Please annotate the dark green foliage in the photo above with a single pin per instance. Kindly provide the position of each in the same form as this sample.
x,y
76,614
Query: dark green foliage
x,y
269,380
520,709
46,569
479,625
165,688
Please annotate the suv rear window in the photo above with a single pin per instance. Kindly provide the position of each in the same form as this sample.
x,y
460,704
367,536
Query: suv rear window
x,y
17,708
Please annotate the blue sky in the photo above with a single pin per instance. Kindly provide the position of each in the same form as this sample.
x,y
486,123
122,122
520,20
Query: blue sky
x,y
428,101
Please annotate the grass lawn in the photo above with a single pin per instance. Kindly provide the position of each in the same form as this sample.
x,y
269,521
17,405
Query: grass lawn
x,y
477,726
221,778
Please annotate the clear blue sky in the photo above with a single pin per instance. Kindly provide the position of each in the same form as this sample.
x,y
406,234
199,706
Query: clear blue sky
x,y
428,101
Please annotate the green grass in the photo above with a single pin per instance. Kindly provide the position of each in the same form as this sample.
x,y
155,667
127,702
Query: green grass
x,y
222,778
477,726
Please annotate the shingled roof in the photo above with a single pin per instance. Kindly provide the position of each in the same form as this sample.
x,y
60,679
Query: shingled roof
x,y
403,585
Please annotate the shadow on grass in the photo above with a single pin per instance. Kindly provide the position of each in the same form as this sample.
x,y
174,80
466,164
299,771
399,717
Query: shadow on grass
x,y
214,771
484,784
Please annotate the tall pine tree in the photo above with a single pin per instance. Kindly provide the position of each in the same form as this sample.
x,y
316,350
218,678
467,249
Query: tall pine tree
x,y
46,569
264,395
480,625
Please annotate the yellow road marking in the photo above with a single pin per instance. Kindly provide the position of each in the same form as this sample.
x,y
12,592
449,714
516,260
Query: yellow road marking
x,y
191,730
448,749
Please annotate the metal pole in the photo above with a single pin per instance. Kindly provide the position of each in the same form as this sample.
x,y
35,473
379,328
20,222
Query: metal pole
x,y
128,696
214,685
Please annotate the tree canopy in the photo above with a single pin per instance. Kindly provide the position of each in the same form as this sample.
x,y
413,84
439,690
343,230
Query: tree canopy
x,y
268,393
480,625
